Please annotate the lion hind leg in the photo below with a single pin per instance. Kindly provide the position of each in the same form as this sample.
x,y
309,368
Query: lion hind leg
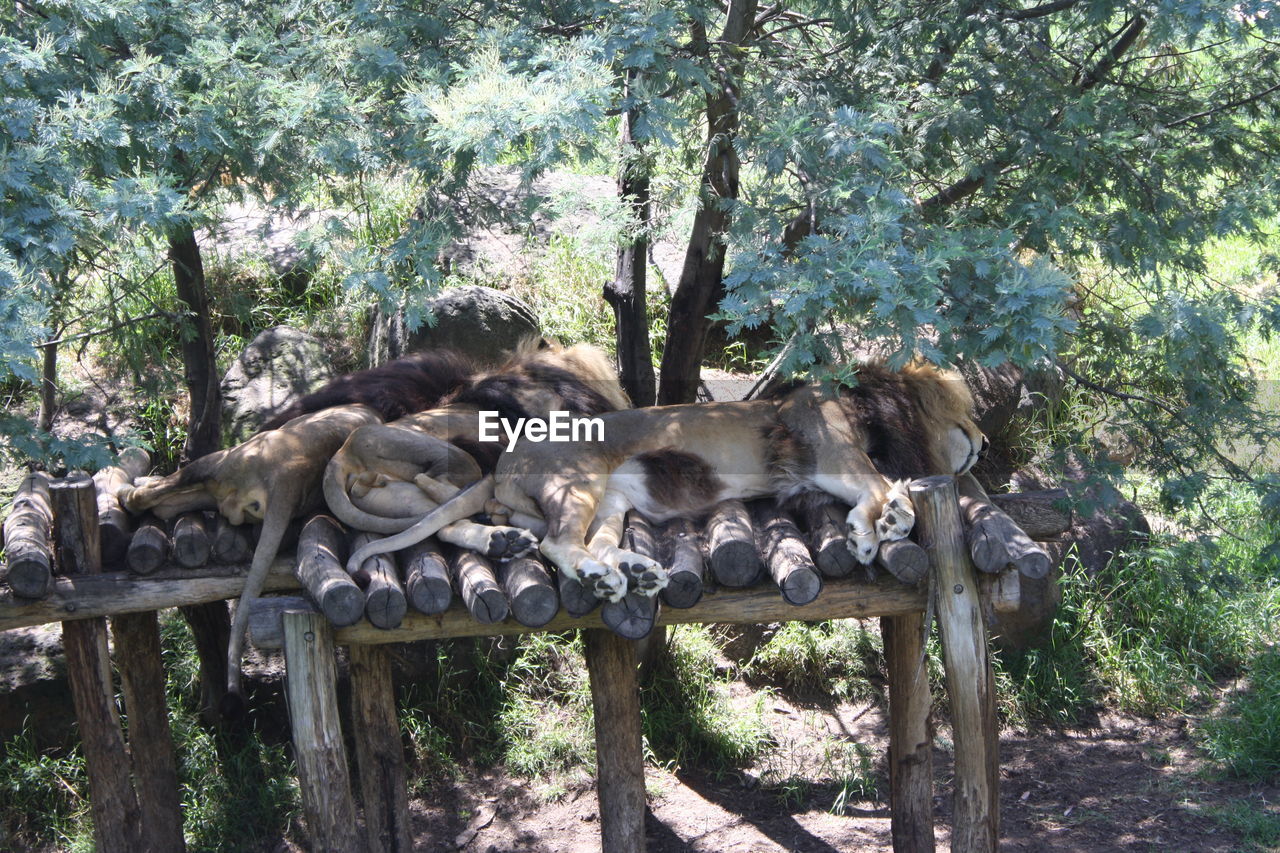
x,y
566,544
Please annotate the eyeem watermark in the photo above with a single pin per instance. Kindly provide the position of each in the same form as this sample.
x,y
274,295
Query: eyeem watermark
x,y
560,426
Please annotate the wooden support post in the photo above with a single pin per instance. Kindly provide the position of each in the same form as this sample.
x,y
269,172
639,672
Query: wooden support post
x,y
28,550
311,690
117,821
910,734
615,696
379,752
967,661
321,556
136,640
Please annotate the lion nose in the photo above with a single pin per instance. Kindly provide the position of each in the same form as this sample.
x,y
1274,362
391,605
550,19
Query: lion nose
x,y
985,444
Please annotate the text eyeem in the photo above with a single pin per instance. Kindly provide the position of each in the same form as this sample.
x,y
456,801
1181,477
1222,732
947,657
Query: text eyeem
x,y
558,426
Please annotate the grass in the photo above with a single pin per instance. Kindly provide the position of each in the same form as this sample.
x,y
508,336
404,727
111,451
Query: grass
x,y
840,660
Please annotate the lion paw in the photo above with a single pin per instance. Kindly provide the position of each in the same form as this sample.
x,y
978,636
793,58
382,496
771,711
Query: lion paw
x,y
605,582
507,543
898,516
647,576
863,546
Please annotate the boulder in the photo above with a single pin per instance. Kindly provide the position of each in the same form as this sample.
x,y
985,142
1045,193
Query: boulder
x,y
277,367
480,322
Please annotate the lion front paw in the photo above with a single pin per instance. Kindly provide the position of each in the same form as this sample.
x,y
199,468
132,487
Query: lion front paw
x,y
647,576
863,546
507,543
605,582
898,516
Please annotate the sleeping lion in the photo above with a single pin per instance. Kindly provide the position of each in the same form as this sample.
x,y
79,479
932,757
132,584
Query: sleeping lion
x,y
859,445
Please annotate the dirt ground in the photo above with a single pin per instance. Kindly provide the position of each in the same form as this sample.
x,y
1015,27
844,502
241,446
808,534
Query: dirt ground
x,y
1126,784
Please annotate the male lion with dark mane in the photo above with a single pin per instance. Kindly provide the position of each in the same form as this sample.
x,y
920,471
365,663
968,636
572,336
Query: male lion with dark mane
x,y
859,445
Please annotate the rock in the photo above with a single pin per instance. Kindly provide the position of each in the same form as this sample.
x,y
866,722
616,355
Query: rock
x,y
278,366
1005,396
480,322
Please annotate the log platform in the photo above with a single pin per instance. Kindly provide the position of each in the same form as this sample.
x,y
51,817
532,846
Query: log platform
x,y
457,594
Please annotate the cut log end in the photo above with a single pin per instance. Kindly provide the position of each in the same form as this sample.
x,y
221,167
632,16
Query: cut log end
x,y
632,618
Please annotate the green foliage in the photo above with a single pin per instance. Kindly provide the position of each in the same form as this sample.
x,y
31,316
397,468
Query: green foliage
x,y
825,660
1245,737
42,795
1154,630
1258,827
688,718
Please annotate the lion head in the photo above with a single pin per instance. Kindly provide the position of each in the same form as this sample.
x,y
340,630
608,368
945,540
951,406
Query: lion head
x,y
945,407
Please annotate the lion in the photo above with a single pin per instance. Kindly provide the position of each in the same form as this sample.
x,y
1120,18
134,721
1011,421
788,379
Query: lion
x,y
386,477
272,478
860,445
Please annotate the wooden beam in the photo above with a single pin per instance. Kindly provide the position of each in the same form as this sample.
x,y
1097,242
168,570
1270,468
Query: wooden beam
x,y
839,600
910,734
967,662
109,594
136,641
312,693
615,698
321,569
379,752
117,820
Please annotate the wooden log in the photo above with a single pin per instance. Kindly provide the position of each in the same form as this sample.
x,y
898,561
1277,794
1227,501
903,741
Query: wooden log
x,y
481,595
828,540
633,617
994,539
1002,592
115,524
967,662
320,567
232,543
191,541
312,693
731,543
686,565
385,603
903,559
786,554
839,600
117,819
576,599
530,593
615,696
1041,514
90,596
910,734
27,539
426,577
136,643
379,752
149,547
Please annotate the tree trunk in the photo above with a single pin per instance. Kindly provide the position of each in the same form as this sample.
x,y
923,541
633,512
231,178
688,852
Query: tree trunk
x,y
210,623
200,369
626,292
702,278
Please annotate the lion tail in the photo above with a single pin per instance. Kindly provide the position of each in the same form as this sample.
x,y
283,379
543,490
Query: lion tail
x,y
465,504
